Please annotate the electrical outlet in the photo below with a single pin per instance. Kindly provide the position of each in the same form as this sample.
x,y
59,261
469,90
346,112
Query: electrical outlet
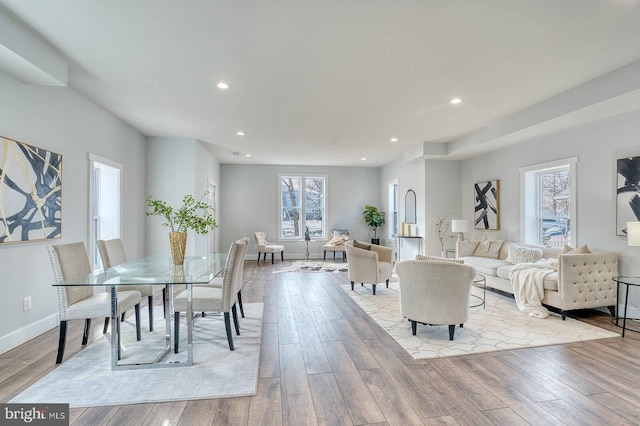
x,y
26,303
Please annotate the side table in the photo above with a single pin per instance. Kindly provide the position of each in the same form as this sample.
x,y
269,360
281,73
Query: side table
x,y
628,282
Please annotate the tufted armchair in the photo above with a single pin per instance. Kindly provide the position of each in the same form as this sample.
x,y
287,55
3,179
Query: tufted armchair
x,y
370,266
265,247
435,292
337,243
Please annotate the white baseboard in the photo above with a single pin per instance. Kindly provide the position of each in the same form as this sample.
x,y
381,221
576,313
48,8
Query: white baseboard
x,y
27,333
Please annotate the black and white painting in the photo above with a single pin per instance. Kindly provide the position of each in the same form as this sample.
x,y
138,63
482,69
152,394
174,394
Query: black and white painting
x,y
628,193
487,204
30,192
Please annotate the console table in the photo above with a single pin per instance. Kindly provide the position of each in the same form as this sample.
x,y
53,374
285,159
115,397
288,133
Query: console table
x,y
628,282
400,239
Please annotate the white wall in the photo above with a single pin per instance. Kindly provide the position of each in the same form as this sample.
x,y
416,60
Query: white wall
x,y
250,203
177,167
597,145
61,120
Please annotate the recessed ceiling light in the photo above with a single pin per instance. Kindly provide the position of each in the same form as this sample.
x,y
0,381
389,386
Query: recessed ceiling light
x,y
394,139
247,155
223,85
364,159
455,101
240,133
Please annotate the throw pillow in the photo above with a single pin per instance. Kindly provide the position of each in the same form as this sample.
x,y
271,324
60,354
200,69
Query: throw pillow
x,y
488,248
339,240
438,259
580,250
360,245
520,254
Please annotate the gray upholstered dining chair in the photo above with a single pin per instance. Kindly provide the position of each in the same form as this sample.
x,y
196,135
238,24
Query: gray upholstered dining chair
x,y
79,302
213,299
265,247
218,281
435,292
112,254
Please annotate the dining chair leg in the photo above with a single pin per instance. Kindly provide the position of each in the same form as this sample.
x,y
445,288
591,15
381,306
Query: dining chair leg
x,y
137,310
324,257
118,328
61,341
258,258
87,328
234,313
282,256
240,303
122,317
151,313
164,303
227,326
272,258
106,325
176,331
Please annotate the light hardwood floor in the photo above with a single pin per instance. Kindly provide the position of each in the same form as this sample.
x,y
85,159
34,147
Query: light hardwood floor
x,y
324,361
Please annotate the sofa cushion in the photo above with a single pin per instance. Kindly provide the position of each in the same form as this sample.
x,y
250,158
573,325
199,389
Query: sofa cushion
x,y
488,248
485,265
580,250
520,254
550,281
438,259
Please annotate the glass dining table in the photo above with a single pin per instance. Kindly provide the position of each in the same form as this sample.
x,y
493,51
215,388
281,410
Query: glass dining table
x,y
154,270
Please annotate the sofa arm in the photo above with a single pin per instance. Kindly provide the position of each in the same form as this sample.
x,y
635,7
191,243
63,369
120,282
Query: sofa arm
x,y
586,280
465,248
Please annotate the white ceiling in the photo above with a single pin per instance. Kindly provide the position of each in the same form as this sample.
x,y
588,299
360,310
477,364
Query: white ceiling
x,y
327,82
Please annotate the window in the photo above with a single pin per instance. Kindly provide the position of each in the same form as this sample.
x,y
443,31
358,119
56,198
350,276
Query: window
x,y
549,203
393,208
104,209
302,205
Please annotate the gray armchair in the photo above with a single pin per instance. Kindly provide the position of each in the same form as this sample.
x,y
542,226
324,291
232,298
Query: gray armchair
x,y
369,266
435,292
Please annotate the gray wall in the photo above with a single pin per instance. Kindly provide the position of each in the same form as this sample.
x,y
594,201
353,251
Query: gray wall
x,y
250,203
177,167
597,145
61,120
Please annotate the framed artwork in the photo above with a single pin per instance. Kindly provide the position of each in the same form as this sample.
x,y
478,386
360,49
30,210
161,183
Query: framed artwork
x,y
487,204
30,192
627,193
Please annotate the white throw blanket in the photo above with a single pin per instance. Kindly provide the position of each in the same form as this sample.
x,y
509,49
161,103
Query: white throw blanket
x,y
528,285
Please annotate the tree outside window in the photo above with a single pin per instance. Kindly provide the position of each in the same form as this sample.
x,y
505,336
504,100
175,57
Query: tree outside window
x,y
302,205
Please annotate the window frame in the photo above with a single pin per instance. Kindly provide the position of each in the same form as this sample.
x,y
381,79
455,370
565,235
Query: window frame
x,y
531,199
302,201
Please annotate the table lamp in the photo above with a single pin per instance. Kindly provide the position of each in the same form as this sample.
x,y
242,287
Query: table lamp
x,y
460,226
633,233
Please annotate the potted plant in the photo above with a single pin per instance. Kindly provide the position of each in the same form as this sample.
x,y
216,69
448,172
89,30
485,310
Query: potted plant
x,y
374,219
192,214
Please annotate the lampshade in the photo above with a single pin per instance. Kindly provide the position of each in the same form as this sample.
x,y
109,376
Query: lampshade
x,y
633,233
460,225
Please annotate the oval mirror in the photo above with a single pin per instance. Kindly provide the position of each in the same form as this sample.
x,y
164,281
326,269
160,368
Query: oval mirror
x,y
410,207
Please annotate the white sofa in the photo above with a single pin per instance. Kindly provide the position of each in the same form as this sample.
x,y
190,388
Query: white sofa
x,y
582,281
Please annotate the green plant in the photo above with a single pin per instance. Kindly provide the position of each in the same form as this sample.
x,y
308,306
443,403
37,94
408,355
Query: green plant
x,y
196,215
373,218
442,228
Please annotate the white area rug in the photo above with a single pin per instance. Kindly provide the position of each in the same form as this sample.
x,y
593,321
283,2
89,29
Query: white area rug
x,y
499,326
86,379
314,266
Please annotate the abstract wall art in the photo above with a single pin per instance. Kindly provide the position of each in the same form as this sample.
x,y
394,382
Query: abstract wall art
x,y
628,193
487,204
30,192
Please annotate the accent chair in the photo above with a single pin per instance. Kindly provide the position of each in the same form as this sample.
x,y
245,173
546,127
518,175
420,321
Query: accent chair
x,y
265,247
369,263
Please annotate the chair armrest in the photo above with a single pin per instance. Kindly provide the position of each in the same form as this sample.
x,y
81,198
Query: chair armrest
x,y
465,248
385,254
586,280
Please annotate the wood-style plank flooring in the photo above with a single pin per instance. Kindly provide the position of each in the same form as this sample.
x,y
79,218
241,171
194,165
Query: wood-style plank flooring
x,y
324,361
